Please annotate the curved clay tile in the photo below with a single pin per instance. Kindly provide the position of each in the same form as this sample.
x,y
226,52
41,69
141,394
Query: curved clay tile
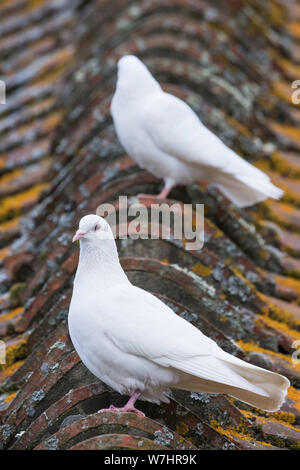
x,y
233,62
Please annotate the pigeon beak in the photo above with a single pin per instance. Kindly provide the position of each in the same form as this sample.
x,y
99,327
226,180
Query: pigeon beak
x,y
78,235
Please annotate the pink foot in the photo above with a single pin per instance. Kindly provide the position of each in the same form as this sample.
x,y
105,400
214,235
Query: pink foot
x,y
162,195
151,196
129,407
124,409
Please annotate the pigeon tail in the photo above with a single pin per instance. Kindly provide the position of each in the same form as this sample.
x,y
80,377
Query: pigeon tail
x,y
244,184
244,190
252,385
273,385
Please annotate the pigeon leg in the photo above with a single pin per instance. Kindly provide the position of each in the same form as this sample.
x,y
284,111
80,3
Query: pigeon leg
x,y
162,195
129,407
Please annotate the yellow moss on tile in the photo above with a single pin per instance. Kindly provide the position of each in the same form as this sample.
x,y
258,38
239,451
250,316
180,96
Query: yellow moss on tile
x,y
13,204
4,252
276,12
290,186
282,327
51,77
13,313
270,418
15,352
10,369
247,414
223,318
246,281
294,395
288,282
240,432
291,132
282,89
10,397
263,165
294,28
8,3
8,177
52,121
253,347
283,167
289,67
10,224
284,417
295,446
31,6
201,270
281,416
42,105
291,196
182,428
238,126
271,310
277,212
215,230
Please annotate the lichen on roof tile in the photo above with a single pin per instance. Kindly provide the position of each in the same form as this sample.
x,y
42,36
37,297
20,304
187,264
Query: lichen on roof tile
x,y
234,63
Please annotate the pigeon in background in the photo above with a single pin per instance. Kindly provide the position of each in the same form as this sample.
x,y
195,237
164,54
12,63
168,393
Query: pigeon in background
x,y
164,136
138,346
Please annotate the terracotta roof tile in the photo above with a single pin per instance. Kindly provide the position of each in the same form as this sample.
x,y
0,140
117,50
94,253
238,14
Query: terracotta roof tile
x,y
60,158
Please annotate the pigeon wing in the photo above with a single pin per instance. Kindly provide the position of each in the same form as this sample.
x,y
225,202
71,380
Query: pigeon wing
x,y
145,327
176,130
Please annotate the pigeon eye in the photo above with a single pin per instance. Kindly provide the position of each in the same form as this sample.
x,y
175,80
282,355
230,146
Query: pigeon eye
x,y
96,227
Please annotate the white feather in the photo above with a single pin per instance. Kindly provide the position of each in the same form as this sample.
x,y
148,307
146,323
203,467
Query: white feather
x,y
165,136
132,341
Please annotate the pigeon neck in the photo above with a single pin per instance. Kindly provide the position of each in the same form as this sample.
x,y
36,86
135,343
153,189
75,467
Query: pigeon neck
x,y
137,87
99,266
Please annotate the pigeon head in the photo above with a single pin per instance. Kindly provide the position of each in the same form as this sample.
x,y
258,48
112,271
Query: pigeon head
x,y
130,63
93,228
134,78
98,258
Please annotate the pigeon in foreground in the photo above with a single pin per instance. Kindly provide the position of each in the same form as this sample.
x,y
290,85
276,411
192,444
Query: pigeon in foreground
x,y
138,346
164,136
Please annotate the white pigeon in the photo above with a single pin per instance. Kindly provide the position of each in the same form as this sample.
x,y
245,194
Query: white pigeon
x,y
138,346
164,135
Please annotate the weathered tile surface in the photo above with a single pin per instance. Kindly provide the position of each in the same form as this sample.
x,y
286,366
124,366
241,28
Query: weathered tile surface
x,y
233,62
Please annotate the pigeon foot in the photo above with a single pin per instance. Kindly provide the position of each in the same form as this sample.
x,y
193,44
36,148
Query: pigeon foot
x,y
124,409
128,408
146,196
162,195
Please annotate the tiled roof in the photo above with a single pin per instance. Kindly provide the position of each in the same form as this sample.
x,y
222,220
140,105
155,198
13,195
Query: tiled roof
x,y
234,63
